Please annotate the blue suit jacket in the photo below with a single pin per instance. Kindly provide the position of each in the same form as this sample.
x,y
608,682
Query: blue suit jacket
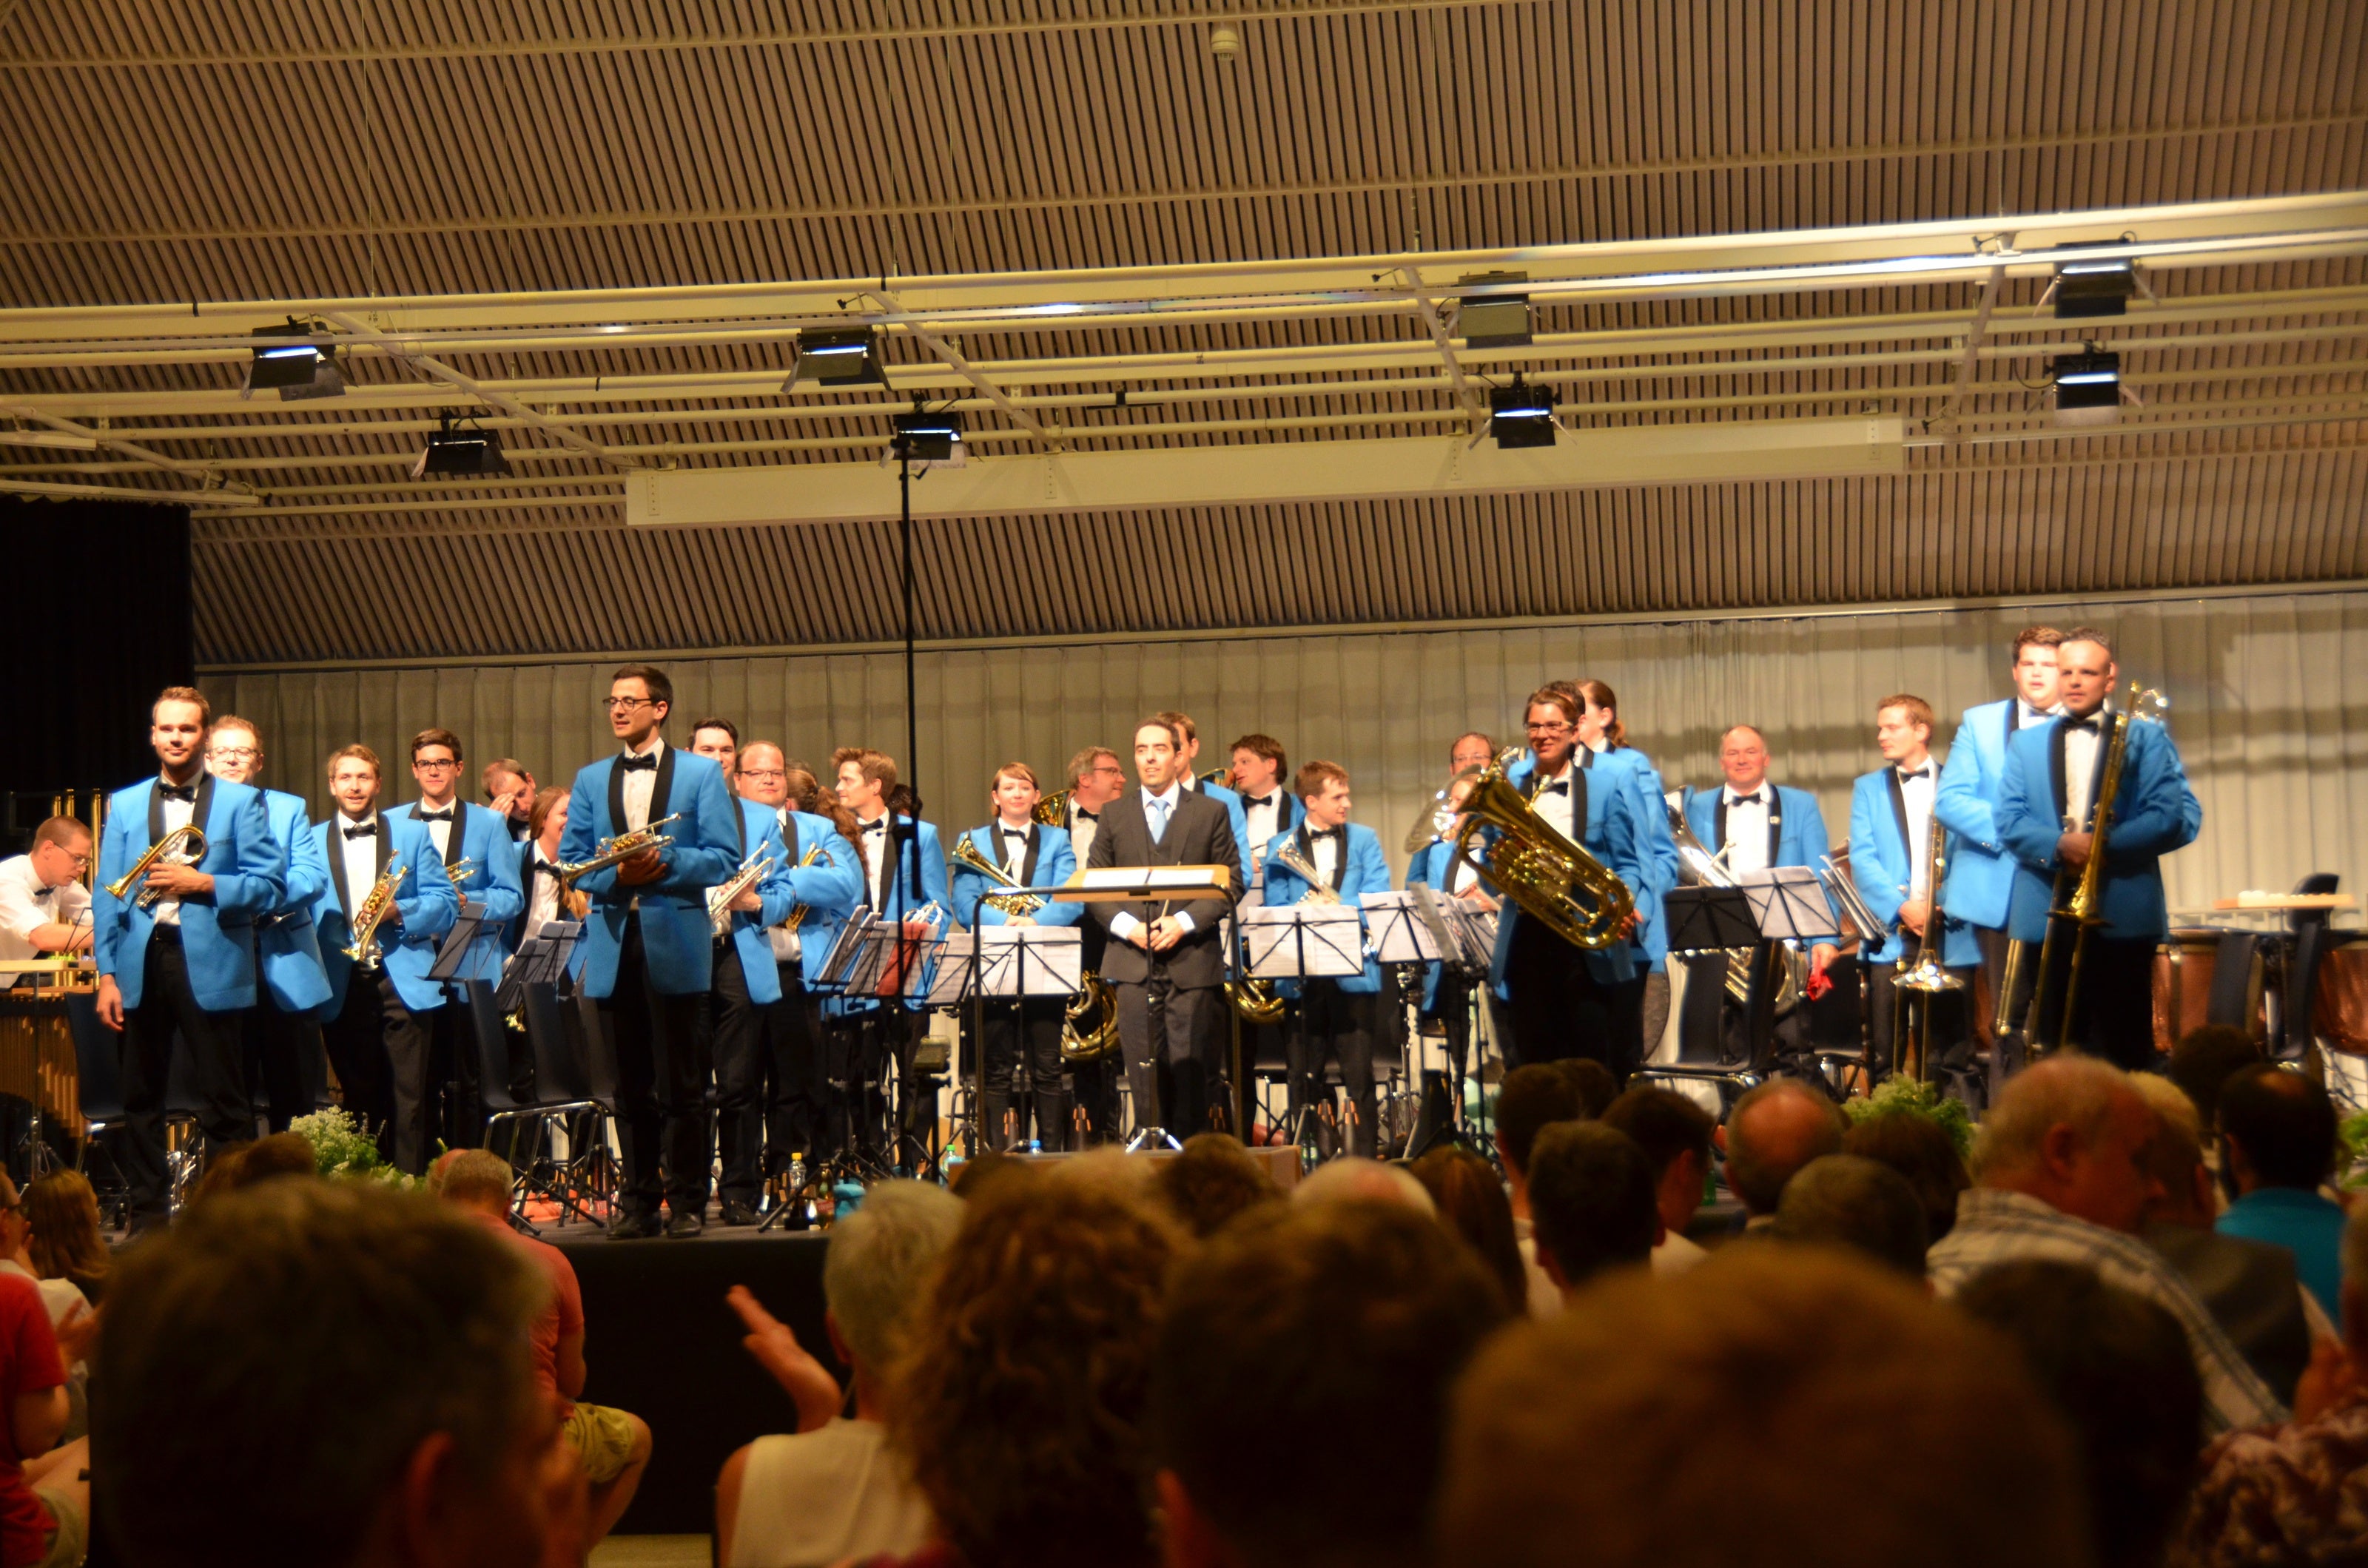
x,y
760,833
1050,860
2154,814
1981,869
1363,869
830,888
285,943
1614,836
1232,800
906,892
1658,854
218,931
1883,867
1800,826
424,903
481,836
675,941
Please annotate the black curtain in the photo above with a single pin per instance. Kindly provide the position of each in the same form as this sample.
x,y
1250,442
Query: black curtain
x,y
99,621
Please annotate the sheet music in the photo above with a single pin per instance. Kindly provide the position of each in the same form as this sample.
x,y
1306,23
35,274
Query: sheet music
x,y
1031,960
1402,933
1305,940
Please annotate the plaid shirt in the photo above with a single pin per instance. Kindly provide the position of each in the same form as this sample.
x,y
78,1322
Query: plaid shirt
x,y
1995,1227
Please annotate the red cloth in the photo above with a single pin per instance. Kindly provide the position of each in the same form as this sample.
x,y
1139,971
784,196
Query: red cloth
x,y
561,1316
29,1364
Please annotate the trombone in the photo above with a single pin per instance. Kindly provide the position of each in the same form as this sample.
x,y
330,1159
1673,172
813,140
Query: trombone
x,y
1926,980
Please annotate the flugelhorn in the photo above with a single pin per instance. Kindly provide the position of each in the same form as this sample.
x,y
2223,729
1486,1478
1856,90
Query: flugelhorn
x,y
186,844
965,853
719,897
620,849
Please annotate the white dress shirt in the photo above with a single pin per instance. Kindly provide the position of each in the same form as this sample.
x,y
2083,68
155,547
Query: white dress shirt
x,y
1265,820
788,948
1325,850
27,904
361,858
871,840
2081,748
641,783
1012,843
1746,828
1553,804
1916,793
1122,924
542,903
439,832
1082,827
2025,715
166,910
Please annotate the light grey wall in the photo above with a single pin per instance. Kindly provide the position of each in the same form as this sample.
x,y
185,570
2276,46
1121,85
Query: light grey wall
x,y
2269,693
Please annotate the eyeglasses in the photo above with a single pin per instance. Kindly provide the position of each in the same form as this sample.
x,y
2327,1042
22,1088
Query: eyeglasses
x,y
236,754
439,763
1549,728
626,704
763,773
1109,767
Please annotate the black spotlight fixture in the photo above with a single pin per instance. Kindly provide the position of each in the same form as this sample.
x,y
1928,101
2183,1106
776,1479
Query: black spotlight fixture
x,y
2102,286
1494,320
1521,416
296,369
459,449
2087,387
836,356
926,439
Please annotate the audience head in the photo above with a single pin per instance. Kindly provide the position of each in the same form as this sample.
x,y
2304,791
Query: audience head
x,y
1848,1200
63,1212
2208,1057
879,1266
1596,1432
1529,1099
1344,1320
2180,1183
1029,1452
2072,1133
2277,1129
250,1164
1592,1201
2118,1369
1471,1201
1210,1181
475,1179
1922,1150
1674,1132
1354,1179
1596,1085
245,1424
987,1170
1775,1131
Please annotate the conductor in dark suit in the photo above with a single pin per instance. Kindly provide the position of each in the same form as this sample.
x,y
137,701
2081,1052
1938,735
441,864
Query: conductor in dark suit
x,y
1167,963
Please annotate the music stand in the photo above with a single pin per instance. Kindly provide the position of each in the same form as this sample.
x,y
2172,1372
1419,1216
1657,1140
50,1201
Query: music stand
x,y
1789,904
1403,931
1304,941
919,957
541,959
446,970
1017,963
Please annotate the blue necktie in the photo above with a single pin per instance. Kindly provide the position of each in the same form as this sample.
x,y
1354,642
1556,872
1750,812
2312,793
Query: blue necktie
x,y
1158,807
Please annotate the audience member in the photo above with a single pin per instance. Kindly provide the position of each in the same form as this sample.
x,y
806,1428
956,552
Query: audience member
x,y
1879,1429
2277,1144
1675,1135
1591,1194
1772,1132
2060,1175
975,1176
2116,1367
44,1500
1848,1200
321,1374
1353,1178
1922,1150
2205,1059
245,1165
834,1489
1596,1086
1464,1189
2295,1493
613,1446
2249,1288
1531,1100
1213,1179
1021,1401
59,1297
1343,1320
67,1243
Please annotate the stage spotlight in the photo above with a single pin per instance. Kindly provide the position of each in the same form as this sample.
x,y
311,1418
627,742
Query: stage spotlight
x,y
836,356
1521,416
1493,320
928,440
2087,387
296,371
459,449
2097,287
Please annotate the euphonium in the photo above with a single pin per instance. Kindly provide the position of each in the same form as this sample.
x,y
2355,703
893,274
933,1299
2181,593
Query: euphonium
x,y
1081,1041
186,844
965,853
1256,1001
719,897
1318,889
372,909
1537,868
616,851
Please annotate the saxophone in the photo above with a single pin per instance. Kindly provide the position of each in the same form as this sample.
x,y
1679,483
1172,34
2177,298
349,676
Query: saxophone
x,y
373,908
718,897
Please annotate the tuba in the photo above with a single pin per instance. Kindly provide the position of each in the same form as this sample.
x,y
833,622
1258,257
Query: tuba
x,y
965,853
1553,880
616,851
186,843
1083,1042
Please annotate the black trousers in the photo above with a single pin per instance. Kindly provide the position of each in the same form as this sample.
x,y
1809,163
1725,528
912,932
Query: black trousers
x,y
381,1049
1095,1085
1628,1023
1336,1024
735,1033
1558,1008
856,1051
1950,1063
1170,1036
284,1047
217,1071
2113,1017
793,1095
1021,1047
661,1088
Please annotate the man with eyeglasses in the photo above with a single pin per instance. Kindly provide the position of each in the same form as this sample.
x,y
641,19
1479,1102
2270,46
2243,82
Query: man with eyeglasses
x,y
480,837
1096,779
44,908
283,1030
650,954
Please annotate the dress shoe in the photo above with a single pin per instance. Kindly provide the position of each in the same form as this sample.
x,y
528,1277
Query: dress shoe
x,y
681,1225
736,1213
628,1227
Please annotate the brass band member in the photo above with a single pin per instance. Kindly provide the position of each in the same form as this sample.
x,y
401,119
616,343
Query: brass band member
x,y
511,791
44,908
1446,994
1643,1001
904,874
176,950
547,897
1339,1017
2048,798
1166,964
1096,779
1259,777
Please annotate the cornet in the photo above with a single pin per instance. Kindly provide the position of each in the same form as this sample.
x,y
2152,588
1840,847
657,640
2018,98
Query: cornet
x,y
719,897
616,851
184,845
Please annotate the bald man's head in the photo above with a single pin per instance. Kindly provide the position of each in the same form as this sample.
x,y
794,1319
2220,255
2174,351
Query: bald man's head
x,y
1773,1131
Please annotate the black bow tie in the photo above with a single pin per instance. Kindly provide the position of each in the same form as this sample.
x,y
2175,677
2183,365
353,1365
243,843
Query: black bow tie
x,y
1259,800
1754,798
636,764
444,815
1923,772
545,868
1015,832
2091,724
1337,834
367,830
179,793
1559,787
880,826
1084,815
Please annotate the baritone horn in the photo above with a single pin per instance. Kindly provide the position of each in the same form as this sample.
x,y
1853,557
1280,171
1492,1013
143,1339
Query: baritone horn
x,y
1553,880
184,845
1020,902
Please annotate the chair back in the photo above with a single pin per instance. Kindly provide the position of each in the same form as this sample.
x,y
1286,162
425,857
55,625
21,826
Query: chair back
x,y
2311,928
599,1054
493,1046
99,1082
559,1066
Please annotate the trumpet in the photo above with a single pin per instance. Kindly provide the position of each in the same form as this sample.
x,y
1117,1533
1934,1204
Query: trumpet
x,y
719,897
1090,1043
372,909
965,853
1553,880
1291,859
617,850
460,870
184,845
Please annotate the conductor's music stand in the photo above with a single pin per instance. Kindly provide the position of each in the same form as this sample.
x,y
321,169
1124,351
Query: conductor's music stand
x,y
1304,941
